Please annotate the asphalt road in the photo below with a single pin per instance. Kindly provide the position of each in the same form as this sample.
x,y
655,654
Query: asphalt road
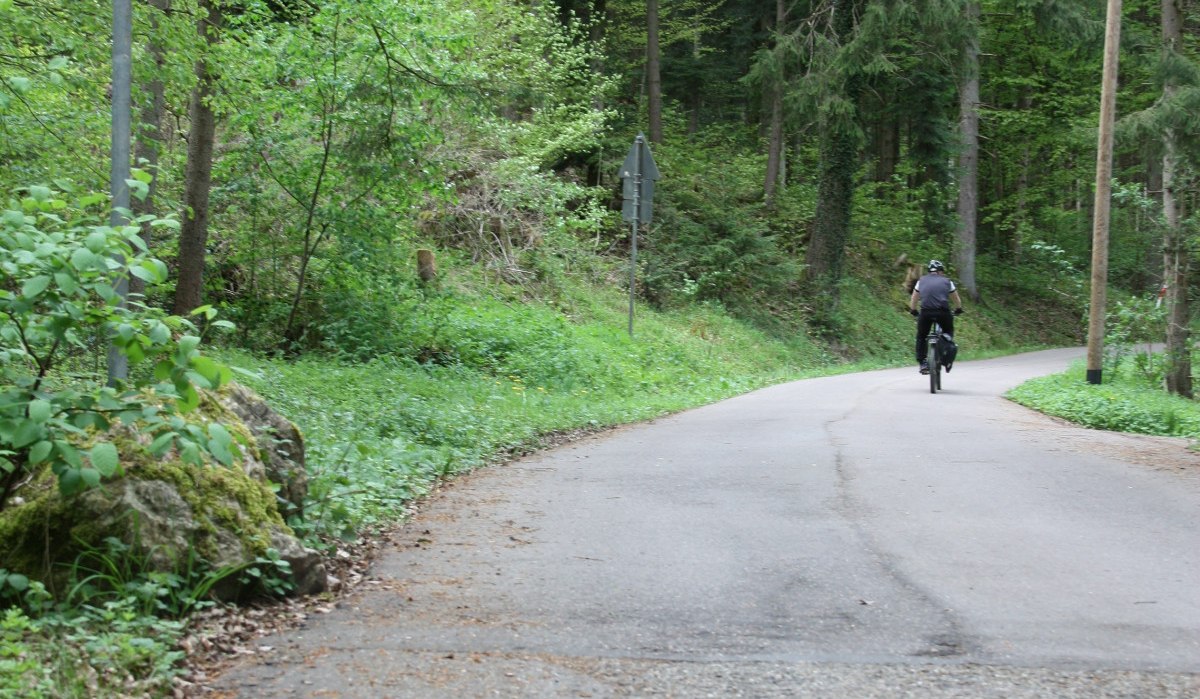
x,y
850,536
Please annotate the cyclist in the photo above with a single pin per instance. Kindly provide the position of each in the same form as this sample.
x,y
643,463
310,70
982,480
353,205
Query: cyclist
x,y
934,291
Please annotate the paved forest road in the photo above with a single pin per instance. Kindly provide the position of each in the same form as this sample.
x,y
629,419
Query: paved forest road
x,y
806,540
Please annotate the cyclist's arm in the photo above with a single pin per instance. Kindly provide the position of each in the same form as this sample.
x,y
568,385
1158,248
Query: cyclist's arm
x,y
956,299
914,300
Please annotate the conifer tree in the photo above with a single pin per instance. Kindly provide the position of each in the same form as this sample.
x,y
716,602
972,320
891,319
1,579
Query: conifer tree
x,y
839,145
1176,252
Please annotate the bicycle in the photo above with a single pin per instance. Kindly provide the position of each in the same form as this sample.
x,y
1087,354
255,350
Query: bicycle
x,y
936,356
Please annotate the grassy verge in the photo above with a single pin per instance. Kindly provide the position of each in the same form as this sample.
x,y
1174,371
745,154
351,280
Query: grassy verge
x,y
1130,400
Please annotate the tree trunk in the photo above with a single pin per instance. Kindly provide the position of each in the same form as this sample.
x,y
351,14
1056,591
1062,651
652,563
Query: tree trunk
x,y
968,159
653,72
1175,249
887,148
193,235
775,129
696,96
1016,243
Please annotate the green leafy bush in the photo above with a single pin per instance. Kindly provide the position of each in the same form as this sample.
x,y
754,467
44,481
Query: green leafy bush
x,y
58,267
1125,403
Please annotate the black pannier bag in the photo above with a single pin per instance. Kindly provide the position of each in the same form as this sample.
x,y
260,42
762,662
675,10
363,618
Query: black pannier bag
x,y
949,350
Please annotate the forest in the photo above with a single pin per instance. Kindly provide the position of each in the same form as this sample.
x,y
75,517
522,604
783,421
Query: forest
x,y
292,159
304,150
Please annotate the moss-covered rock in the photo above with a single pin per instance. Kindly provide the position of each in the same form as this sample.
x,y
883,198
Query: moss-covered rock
x,y
170,514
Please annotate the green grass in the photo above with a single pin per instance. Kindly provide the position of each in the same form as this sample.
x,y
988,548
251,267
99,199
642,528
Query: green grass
x,y
1126,402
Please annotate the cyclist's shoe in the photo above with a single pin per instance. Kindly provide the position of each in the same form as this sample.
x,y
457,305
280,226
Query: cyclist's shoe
x,y
947,367
924,367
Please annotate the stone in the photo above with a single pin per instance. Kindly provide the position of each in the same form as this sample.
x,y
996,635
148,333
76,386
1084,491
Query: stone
x,y
171,515
281,445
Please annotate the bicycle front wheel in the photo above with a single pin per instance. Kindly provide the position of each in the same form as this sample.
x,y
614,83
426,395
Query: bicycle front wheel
x,y
935,368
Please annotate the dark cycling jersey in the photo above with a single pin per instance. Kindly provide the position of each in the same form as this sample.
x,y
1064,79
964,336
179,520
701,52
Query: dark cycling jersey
x,y
935,291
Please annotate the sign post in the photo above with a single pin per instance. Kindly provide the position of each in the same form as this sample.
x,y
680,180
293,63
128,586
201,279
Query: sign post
x,y
122,50
638,174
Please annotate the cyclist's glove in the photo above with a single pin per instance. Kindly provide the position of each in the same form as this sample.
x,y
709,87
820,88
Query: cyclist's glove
x,y
958,311
914,311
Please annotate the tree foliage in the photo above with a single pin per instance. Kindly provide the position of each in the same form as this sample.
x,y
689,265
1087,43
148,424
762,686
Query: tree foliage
x,y
351,132
57,300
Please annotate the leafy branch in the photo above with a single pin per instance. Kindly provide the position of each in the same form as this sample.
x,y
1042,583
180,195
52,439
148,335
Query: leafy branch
x,y
57,268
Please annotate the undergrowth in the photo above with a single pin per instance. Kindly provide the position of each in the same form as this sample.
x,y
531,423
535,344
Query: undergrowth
x,y
1125,402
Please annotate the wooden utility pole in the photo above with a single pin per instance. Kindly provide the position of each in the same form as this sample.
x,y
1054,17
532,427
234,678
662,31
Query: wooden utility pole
x,y
1104,149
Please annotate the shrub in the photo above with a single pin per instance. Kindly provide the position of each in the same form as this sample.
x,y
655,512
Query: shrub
x,y
58,266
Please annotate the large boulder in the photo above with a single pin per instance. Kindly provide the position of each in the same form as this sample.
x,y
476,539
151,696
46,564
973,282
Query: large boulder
x,y
175,517
281,446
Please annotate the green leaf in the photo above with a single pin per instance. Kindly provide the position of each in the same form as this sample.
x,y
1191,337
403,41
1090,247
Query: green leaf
x,y
56,63
84,420
221,453
140,190
189,453
141,175
134,352
105,458
35,286
16,581
66,283
69,453
69,481
161,443
83,259
147,271
90,477
199,380
40,410
40,193
219,442
19,84
187,345
214,372
160,334
27,432
40,451
96,241
189,399
171,223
